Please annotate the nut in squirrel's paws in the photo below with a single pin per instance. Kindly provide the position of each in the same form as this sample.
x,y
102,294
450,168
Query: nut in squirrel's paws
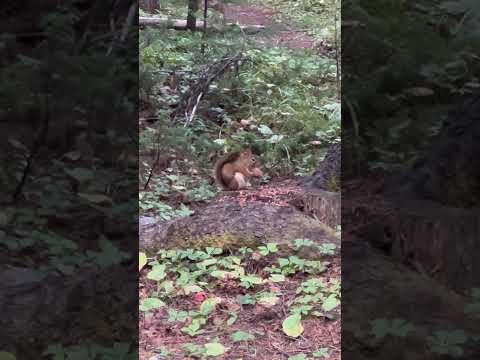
x,y
257,172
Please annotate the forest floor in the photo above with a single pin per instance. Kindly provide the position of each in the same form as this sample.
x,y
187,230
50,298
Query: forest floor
x,y
161,337
281,35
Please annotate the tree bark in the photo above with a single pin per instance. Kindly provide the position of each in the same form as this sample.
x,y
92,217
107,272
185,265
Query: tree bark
x,y
191,16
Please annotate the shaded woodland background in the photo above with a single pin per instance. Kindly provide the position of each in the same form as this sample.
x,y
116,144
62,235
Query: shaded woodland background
x,y
409,190
69,185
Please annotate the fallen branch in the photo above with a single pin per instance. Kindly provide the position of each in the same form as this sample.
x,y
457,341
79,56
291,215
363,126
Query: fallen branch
x,y
190,99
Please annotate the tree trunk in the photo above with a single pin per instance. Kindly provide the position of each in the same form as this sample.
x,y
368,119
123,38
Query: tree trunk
x,y
191,17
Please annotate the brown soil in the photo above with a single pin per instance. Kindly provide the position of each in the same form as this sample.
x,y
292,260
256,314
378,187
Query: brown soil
x,y
283,35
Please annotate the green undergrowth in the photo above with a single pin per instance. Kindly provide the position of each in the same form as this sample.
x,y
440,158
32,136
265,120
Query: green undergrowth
x,y
282,103
208,295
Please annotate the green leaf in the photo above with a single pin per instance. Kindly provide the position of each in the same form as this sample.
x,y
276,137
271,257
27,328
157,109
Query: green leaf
x,y
208,306
142,260
242,336
192,288
157,273
214,349
221,274
300,356
292,325
322,352
277,278
168,286
247,300
283,262
330,303
195,327
150,304
268,300
265,130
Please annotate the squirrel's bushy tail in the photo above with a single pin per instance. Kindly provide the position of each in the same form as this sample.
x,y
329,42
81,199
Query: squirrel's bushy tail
x,y
219,166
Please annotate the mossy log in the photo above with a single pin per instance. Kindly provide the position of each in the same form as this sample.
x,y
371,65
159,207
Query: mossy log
x,y
229,224
374,286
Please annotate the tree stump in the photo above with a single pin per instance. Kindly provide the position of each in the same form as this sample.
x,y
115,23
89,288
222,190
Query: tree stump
x,y
323,205
375,287
322,198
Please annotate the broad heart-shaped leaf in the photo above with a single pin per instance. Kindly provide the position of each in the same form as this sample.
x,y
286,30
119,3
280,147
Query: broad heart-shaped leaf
x,y
151,303
192,288
277,278
292,325
142,260
157,273
330,303
242,336
214,349
268,300
7,356
208,306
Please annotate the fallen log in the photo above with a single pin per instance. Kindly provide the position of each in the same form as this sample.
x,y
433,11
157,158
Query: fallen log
x,y
178,24
230,224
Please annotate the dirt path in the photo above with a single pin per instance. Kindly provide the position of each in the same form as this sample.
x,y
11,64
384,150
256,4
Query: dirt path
x,y
279,34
